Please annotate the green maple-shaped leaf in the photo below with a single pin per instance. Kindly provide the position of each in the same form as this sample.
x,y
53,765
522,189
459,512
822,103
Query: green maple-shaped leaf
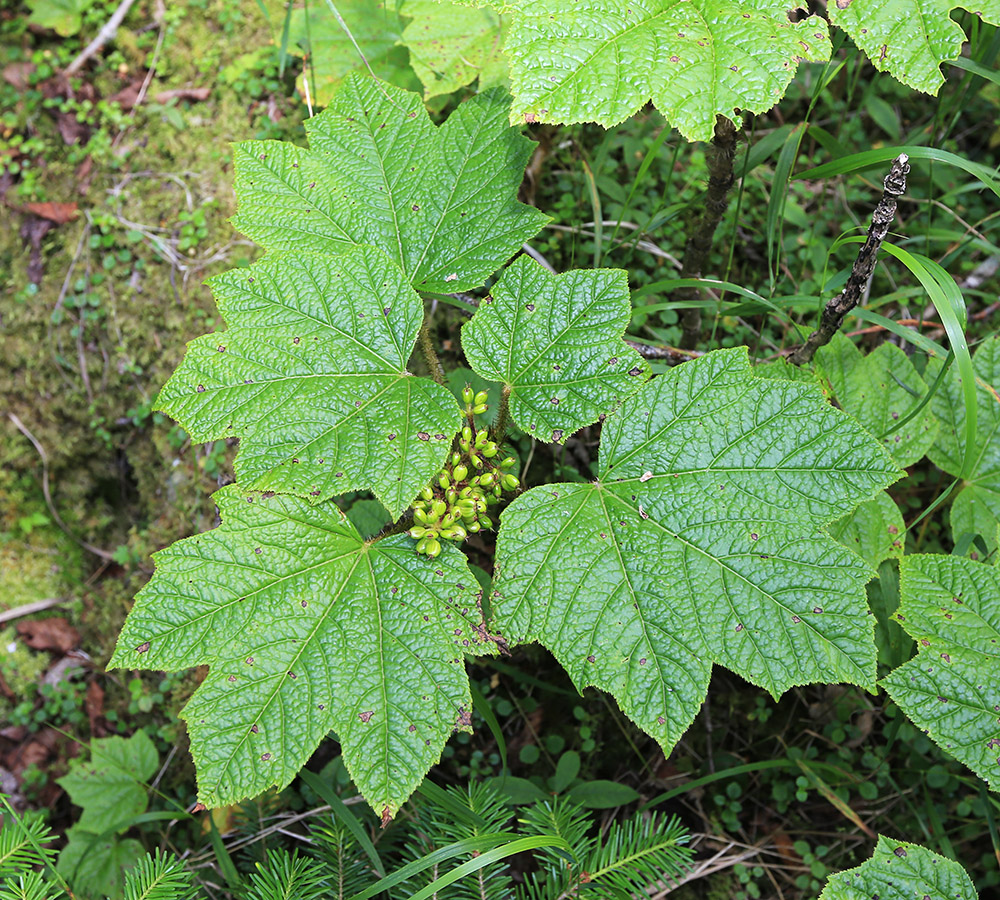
x,y
452,45
909,39
602,60
308,628
441,202
899,870
555,342
976,509
951,607
875,530
701,542
333,54
881,390
109,785
311,376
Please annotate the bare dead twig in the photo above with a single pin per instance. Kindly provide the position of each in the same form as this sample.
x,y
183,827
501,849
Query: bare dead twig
x,y
864,265
30,608
97,551
106,33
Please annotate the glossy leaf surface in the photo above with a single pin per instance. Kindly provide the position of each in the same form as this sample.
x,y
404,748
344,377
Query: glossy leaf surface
x,y
951,688
909,39
311,376
700,543
307,628
555,341
602,60
898,869
439,201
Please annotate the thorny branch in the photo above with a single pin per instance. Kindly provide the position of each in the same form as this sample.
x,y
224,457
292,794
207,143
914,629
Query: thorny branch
x,y
699,243
838,308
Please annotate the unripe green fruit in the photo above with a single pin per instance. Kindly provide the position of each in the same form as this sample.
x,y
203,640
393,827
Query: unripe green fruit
x,y
490,450
460,473
485,522
481,437
509,482
508,463
468,396
417,532
439,508
480,409
444,481
486,479
451,495
497,491
467,434
465,445
422,543
433,548
480,398
456,459
420,517
473,527
476,459
459,533
427,494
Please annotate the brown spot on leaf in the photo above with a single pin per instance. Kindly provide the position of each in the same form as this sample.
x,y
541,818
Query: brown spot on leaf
x,y
366,716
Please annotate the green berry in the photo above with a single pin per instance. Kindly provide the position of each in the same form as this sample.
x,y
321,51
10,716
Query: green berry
x,y
427,494
509,482
490,450
444,481
482,436
485,522
508,463
460,473
468,397
480,409
433,548
459,533
456,459
439,508
476,459
480,398
486,479
467,434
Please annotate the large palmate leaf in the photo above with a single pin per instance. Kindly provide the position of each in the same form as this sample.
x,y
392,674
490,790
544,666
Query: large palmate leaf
x,y
441,202
951,688
909,39
311,376
602,60
976,509
701,542
881,390
333,54
899,870
555,342
308,628
452,45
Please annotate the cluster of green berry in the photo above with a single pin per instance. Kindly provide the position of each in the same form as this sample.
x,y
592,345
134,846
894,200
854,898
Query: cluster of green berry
x,y
470,482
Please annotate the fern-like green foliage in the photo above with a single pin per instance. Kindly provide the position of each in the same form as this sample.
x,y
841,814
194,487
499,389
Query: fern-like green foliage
x,y
287,875
346,868
626,860
158,877
22,846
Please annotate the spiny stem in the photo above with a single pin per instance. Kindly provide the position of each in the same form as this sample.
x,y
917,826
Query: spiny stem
x,y
503,418
864,265
430,354
699,243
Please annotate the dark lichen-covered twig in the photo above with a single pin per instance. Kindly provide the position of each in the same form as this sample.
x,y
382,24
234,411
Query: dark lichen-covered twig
x,y
699,242
430,354
838,308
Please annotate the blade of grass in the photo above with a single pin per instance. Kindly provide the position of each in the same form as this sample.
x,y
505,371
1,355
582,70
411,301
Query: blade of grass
x,y
779,195
345,817
870,158
482,706
488,858
595,202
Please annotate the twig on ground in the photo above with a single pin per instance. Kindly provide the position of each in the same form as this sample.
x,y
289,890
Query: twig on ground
x,y
30,608
106,33
97,551
864,265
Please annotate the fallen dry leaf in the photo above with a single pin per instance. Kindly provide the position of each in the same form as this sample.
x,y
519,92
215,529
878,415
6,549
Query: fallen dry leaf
x,y
59,213
49,634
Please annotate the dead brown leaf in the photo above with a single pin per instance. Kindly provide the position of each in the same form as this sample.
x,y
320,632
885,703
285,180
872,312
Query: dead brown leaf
x,y
59,213
94,705
16,74
49,634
